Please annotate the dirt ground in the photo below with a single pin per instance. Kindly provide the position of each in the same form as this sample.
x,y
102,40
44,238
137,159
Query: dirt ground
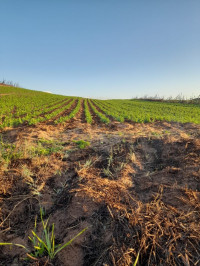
x,y
135,187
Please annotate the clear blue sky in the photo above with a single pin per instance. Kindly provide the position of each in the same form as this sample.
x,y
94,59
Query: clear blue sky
x,y
102,48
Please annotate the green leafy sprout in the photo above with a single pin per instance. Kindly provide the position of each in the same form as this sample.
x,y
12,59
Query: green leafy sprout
x,y
82,144
44,244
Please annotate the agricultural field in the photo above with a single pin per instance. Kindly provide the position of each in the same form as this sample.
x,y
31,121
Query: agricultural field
x,y
98,182
21,106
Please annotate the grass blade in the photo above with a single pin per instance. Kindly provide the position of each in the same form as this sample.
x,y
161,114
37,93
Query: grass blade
x,y
137,258
11,244
40,240
53,239
5,244
69,242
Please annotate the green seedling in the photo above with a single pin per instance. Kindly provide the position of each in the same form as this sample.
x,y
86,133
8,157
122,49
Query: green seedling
x,y
44,244
82,144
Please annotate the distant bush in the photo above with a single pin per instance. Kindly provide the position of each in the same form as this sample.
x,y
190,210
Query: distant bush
x,y
178,99
8,83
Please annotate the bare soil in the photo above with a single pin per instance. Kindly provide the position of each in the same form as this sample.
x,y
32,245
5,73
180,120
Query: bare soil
x,y
135,188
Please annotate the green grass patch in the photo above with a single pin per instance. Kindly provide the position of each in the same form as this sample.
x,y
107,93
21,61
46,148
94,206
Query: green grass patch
x,y
82,144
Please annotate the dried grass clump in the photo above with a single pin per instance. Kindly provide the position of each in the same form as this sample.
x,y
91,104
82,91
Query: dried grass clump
x,y
168,236
159,233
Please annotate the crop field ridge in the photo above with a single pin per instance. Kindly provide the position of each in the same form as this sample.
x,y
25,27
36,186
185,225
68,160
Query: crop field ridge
x,y
66,111
101,111
52,107
63,103
63,111
95,118
80,116
122,191
102,117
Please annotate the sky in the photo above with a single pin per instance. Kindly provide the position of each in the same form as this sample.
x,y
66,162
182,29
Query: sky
x,y
102,48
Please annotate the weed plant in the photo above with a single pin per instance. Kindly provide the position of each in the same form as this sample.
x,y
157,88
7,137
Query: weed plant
x,y
44,244
82,144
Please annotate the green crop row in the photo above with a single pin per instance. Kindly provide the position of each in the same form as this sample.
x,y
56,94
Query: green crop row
x,y
88,116
63,119
18,102
51,108
143,111
107,110
47,114
20,106
36,116
102,117
54,114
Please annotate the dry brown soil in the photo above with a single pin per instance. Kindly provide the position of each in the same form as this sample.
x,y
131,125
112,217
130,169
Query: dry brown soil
x,y
135,187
